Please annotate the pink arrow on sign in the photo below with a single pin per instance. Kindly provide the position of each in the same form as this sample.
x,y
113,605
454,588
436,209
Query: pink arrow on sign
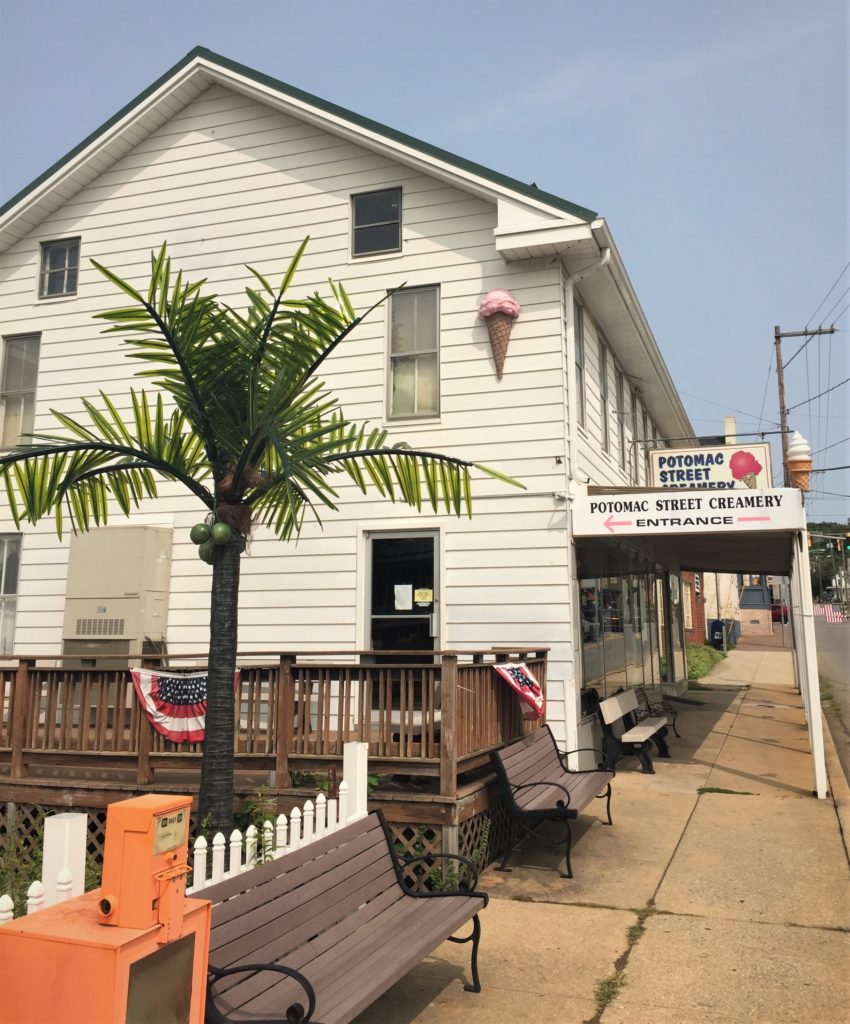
x,y
610,523
753,519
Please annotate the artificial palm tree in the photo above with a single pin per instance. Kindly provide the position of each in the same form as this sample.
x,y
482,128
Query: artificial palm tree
x,y
247,428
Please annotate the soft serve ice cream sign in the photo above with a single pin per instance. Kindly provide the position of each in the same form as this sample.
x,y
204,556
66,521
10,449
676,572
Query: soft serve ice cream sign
x,y
724,467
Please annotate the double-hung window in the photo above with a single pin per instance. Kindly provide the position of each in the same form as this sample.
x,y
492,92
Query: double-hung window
x,y
603,395
621,417
414,370
60,262
633,462
17,389
376,222
10,558
579,347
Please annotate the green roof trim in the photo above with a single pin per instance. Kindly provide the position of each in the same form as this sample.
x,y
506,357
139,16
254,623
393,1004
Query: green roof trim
x,y
521,188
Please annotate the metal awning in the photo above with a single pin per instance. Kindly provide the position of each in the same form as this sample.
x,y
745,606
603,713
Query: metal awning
x,y
711,530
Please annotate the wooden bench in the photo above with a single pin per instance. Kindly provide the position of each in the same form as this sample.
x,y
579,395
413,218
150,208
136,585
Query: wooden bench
x,y
648,708
623,733
320,933
537,786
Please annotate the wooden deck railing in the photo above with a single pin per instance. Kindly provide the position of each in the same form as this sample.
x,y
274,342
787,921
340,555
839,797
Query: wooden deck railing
x,y
437,718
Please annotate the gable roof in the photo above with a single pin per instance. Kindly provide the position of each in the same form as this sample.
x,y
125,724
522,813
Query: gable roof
x,y
187,79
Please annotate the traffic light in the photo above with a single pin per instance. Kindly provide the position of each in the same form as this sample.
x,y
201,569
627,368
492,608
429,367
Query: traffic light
x,y
847,543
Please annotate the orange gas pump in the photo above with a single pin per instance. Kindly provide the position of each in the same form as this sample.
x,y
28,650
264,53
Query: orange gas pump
x,y
132,952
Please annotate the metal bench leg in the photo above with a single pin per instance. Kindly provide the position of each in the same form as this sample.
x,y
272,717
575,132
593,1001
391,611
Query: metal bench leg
x,y
513,842
568,844
474,938
661,743
675,730
645,759
603,796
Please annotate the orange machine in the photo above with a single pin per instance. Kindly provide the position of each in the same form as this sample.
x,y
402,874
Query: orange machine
x,y
132,952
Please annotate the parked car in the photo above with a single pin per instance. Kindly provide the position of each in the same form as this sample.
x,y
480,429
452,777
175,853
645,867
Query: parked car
x,y
779,612
828,596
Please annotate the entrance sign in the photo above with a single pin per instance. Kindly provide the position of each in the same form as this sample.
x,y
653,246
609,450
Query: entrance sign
x,y
724,467
617,515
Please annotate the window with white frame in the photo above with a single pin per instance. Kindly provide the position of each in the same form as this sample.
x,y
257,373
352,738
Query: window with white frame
x,y
687,611
633,461
376,222
578,316
605,412
60,262
17,389
414,370
621,416
10,560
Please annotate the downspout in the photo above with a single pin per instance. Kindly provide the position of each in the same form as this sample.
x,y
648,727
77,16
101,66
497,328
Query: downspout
x,y
572,707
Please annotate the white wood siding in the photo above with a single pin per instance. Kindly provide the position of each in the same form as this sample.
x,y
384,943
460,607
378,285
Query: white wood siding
x,y
227,182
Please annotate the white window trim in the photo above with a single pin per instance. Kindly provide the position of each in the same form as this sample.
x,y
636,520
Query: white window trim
x,y
387,254
42,248
604,397
4,598
621,416
580,367
413,418
3,342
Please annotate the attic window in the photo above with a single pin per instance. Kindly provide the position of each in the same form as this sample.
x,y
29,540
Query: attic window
x,y
376,222
59,264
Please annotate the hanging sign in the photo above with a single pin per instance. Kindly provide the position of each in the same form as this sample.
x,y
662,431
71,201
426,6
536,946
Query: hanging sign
x,y
636,514
725,467
521,679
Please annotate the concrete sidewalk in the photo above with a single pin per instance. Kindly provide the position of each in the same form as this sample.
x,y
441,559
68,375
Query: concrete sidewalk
x,y
721,893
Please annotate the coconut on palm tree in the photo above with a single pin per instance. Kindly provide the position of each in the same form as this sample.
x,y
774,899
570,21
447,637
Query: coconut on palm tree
x,y
239,417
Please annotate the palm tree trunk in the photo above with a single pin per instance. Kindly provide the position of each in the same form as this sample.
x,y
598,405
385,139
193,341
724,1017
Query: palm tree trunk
x,y
215,800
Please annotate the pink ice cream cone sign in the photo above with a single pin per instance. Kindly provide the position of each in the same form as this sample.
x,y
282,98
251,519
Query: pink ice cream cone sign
x,y
745,467
499,309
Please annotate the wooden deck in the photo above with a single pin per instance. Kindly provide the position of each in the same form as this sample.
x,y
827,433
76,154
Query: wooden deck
x,y
77,736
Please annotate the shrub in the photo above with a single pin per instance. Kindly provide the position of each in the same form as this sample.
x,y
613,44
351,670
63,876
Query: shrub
x,y
702,659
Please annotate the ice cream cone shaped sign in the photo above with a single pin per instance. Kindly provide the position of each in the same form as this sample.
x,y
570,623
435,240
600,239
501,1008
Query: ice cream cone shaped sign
x,y
798,461
746,468
499,309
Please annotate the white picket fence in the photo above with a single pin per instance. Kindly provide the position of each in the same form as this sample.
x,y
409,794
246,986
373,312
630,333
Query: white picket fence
x,y
65,841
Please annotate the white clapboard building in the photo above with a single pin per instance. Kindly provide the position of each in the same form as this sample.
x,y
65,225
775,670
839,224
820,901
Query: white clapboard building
x,y
232,167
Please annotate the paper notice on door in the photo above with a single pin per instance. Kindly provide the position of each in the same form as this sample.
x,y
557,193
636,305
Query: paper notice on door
x,y
403,597
423,596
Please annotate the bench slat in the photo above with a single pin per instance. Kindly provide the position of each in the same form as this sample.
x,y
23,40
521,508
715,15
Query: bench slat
x,y
375,955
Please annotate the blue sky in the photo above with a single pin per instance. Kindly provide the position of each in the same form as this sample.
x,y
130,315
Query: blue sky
x,y
711,136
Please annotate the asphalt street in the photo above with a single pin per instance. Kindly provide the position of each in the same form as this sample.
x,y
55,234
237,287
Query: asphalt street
x,y
833,642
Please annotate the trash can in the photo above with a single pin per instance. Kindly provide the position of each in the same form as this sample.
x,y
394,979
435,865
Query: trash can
x,y
715,634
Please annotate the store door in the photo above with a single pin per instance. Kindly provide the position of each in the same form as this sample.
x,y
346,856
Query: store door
x,y
403,613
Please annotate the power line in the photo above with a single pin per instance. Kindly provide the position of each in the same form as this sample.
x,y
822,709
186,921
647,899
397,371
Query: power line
x,y
815,397
723,405
830,469
766,385
832,286
840,297
834,443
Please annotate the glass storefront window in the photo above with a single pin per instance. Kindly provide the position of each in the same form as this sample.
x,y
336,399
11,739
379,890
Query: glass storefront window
x,y
622,621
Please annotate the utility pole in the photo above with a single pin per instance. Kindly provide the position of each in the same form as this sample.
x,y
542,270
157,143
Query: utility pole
x,y
778,335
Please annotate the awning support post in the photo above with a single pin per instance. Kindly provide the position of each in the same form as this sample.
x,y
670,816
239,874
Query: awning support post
x,y
810,681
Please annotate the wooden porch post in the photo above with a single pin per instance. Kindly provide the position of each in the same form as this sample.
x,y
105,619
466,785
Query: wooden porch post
x,y
448,747
284,721
144,772
20,706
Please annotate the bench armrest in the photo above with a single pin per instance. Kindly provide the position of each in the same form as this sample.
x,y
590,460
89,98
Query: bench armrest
x,y
441,878
294,1014
557,785
578,750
